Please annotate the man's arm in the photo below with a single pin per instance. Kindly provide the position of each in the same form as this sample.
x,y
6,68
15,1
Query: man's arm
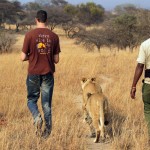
x,y
56,58
137,75
24,57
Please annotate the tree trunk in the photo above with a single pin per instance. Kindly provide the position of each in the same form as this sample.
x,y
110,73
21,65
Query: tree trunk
x,y
110,48
17,27
131,49
9,27
99,49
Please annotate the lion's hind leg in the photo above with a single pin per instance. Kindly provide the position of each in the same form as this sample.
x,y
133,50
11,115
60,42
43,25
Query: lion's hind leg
x,y
102,120
96,126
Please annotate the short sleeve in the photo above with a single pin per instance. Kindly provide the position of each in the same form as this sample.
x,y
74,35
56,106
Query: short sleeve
x,y
26,44
56,46
142,56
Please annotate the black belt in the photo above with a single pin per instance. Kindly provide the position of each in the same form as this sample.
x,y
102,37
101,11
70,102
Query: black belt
x,y
147,73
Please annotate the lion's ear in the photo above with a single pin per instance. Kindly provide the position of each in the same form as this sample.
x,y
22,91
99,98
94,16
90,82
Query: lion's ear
x,y
84,79
93,79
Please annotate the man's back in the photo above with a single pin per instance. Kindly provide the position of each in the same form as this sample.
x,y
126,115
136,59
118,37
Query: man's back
x,y
41,44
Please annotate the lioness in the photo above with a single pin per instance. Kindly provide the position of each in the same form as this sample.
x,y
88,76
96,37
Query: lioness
x,y
95,105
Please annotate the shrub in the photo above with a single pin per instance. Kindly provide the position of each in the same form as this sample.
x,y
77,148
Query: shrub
x,y
6,42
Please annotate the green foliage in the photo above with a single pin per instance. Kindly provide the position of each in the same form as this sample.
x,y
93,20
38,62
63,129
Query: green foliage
x,y
125,31
32,6
57,17
125,20
90,13
71,9
91,39
10,11
124,8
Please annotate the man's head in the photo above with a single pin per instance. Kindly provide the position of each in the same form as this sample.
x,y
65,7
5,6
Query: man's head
x,y
41,16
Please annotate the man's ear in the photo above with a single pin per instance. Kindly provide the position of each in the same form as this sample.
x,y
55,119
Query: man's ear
x,y
35,20
84,80
93,79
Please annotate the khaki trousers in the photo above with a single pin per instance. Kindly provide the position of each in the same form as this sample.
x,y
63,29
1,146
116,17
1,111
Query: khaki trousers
x,y
146,100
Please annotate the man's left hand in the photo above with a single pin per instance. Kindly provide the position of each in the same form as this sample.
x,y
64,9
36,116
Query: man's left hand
x,y
132,93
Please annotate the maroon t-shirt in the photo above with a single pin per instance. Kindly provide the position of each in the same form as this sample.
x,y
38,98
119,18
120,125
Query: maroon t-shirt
x,y
41,44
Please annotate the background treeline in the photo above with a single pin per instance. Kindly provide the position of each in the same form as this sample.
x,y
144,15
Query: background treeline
x,y
89,23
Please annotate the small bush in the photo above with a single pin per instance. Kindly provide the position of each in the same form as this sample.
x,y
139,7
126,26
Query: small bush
x,y
6,42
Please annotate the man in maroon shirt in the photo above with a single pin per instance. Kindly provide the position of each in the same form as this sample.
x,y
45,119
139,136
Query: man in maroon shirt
x,y
41,48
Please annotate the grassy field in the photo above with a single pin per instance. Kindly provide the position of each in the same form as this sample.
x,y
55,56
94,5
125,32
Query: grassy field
x,y
128,129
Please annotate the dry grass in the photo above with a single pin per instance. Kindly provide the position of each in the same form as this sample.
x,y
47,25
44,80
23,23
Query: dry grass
x,y
16,129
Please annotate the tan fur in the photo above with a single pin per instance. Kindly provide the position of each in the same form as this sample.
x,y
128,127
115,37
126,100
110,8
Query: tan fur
x,y
95,105
89,86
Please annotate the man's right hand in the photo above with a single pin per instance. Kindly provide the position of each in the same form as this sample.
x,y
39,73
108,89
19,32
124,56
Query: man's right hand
x,y
24,57
132,93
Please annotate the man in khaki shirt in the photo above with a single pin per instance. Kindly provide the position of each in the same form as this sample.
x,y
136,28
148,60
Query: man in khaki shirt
x,y
143,61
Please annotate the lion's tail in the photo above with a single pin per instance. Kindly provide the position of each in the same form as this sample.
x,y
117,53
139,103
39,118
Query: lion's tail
x,y
106,112
102,119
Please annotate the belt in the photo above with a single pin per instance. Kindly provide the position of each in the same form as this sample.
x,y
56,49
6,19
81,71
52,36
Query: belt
x,y
147,76
147,73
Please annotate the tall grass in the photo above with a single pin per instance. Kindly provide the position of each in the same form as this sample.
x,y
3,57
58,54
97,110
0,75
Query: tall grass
x,y
128,129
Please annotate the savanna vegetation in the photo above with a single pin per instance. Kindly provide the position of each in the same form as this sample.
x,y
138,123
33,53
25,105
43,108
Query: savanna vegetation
x,y
88,23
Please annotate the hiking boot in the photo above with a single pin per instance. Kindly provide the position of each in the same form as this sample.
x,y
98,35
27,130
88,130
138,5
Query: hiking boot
x,y
38,124
46,133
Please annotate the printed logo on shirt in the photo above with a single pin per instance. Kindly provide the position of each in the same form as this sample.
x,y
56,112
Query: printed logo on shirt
x,y
43,44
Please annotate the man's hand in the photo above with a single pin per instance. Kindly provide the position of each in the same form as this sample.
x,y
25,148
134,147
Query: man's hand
x,y
56,58
132,93
24,57
137,75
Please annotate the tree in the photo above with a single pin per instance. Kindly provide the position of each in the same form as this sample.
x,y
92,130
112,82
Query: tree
x,y
71,10
32,6
28,20
52,2
143,24
72,28
43,2
10,12
90,13
5,8
125,31
124,9
57,16
91,38
59,2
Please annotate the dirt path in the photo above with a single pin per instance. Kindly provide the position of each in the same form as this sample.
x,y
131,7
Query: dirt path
x,y
97,146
